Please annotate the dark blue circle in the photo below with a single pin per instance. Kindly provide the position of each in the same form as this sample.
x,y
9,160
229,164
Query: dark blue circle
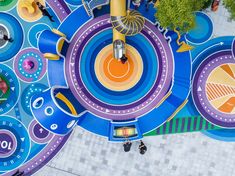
x,y
118,97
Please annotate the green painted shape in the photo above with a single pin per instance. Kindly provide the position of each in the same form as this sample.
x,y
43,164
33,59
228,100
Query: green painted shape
x,y
7,4
173,126
205,125
198,124
185,125
167,128
179,125
192,124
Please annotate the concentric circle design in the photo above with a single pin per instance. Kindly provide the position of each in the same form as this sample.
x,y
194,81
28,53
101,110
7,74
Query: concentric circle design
x,y
116,76
9,89
30,65
203,29
29,11
8,143
14,143
93,78
214,89
7,4
27,94
16,151
15,32
38,134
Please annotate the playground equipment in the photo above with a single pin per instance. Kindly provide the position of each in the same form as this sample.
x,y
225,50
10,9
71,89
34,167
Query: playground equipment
x,y
142,90
76,81
125,23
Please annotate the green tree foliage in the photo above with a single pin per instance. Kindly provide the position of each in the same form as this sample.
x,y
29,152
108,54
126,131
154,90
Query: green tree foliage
x,y
207,4
230,5
179,14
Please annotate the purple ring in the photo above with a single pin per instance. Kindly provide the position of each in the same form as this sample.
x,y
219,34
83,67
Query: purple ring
x,y
44,138
7,134
137,109
199,90
40,65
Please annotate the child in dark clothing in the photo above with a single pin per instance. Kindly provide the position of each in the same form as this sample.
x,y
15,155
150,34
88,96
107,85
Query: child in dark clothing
x,y
142,147
44,11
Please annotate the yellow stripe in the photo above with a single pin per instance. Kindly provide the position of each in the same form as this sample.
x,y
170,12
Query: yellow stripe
x,y
51,56
177,110
179,36
67,102
58,32
164,98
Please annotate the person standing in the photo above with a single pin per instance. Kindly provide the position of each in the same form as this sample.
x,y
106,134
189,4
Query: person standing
x,y
44,11
142,147
124,59
127,145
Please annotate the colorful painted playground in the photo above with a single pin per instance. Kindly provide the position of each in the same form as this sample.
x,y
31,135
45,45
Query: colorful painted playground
x,y
109,67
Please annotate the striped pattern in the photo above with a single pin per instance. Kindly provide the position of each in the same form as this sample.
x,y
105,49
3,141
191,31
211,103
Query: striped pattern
x,y
128,25
215,91
183,125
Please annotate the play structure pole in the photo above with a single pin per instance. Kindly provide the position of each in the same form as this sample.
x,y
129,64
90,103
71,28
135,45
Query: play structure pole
x,y
118,8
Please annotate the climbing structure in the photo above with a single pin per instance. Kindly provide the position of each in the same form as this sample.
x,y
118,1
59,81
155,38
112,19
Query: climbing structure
x,y
57,76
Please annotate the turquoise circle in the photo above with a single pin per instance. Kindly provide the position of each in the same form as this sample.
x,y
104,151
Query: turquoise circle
x,y
27,94
202,31
118,97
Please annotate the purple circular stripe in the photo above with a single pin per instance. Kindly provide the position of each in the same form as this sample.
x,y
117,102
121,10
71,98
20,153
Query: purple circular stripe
x,y
40,65
8,138
38,134
199,89
60,8
57,142
145,104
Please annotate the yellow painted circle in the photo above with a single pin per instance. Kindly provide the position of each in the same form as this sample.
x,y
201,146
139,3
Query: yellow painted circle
x,y
220,88
115,75
28,10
